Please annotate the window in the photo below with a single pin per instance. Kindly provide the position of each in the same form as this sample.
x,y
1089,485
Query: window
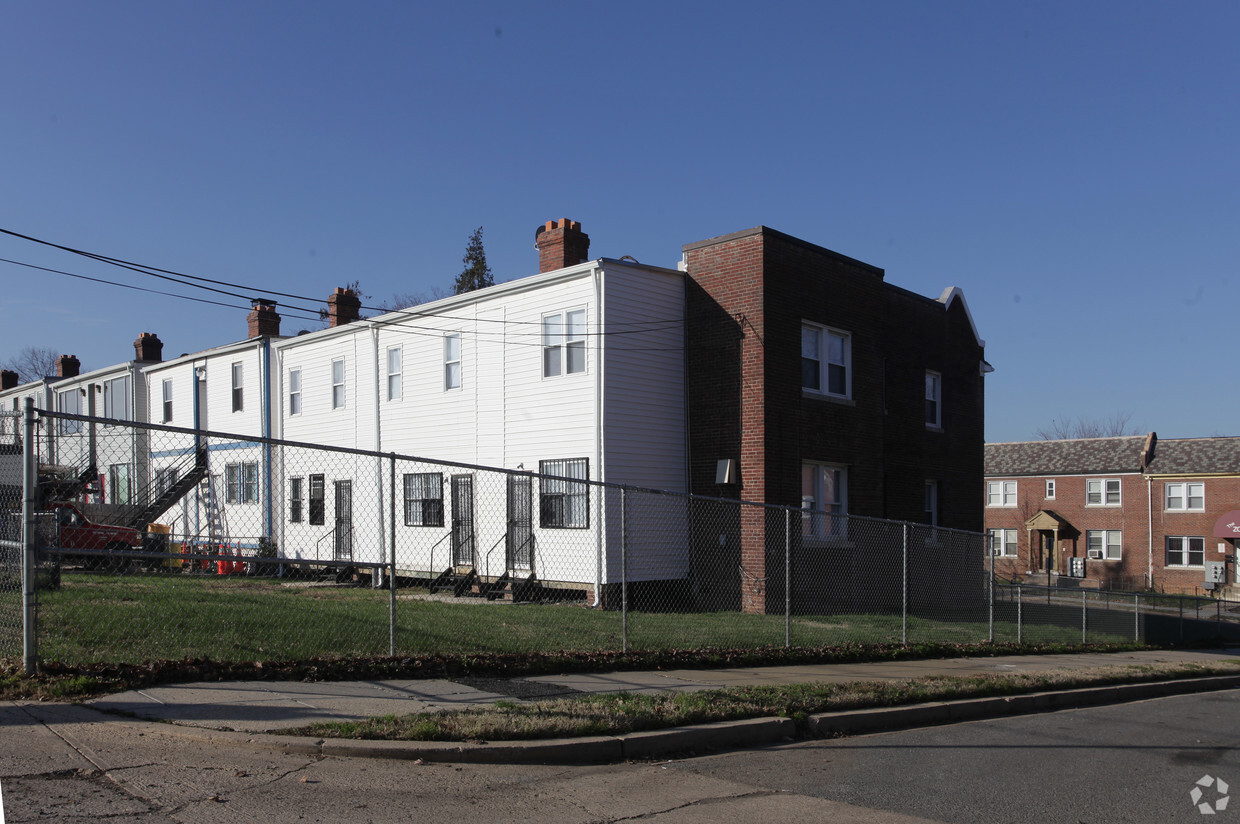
x,y
934,387
394,376
563,504
1102,492
1050,490
1185,496
337,384
116,399
238,388
294,391
167,396
294,500
71,403
564,343
1186,551
1001,493
932,503
424,499
118,491
241,483
317,505
452,361
826,361
165,479
824,500
1103,544
1002,542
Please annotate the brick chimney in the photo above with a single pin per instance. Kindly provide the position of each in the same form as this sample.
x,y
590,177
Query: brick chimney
x,y
561,243
8,379
148,347
263,319
344,306
68,366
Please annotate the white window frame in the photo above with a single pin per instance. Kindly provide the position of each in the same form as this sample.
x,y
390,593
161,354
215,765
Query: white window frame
x,y
70,402
166,399
294,391
114,406
817,361
1050,490
452,363
1178,496
238,386
395,373
1101,488
120,484
564,343
338,383
562,503
934,400
1002,543
823,518
1184,551
241,482
1104,544
1001,493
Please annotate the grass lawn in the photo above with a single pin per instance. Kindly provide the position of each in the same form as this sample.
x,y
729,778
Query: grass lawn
x,y
143,617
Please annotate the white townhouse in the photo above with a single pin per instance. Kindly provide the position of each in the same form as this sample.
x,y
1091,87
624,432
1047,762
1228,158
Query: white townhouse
x,y
576,372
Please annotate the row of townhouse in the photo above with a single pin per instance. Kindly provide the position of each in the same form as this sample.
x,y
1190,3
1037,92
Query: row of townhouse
x,y
684,380
1123,512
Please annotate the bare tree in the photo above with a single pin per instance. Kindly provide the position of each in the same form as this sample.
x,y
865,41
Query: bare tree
x,y
1064,429
404,300
33,362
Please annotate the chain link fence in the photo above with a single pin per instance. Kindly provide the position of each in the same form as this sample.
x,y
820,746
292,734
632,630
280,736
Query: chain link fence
x,y
158,543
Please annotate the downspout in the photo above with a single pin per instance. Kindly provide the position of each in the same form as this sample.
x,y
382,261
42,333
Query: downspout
x,y
1149,529
265,354
600,529
377,438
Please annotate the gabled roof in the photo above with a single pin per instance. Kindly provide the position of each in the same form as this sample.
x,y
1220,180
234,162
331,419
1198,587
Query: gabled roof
x,y
1190,456
1069,457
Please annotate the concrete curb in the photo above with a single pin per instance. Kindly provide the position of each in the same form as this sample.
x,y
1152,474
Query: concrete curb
x,y
711,737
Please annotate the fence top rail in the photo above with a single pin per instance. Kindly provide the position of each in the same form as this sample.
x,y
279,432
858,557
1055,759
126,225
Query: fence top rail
x,y
397,456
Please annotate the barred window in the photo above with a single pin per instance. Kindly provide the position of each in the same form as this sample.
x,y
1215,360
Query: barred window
x,y
424,499
241,483
563,503
317,505
294,500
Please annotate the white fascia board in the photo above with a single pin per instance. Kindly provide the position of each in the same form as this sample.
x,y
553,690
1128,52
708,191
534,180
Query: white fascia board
x,y
953,293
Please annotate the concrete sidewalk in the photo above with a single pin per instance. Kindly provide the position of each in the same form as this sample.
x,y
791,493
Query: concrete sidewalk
x,y
239,710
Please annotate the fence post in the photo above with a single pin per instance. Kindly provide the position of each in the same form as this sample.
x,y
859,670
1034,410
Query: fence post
x,y
991,555
1019,626
624,569
1083,614
1136,617
30,486
392,541
904,587
787,578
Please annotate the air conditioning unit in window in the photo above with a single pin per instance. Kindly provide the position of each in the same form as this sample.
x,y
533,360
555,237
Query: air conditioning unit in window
x,y
1095,554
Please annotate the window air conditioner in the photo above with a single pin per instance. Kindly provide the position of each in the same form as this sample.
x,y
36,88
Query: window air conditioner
x,y
1095,554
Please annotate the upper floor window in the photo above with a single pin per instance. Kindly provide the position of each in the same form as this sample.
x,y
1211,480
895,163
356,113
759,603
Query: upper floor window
x,y
826,361
1001,493
238,388
934,409
824,500
452,361
1050,489
1002,542
394,374
294,391
116,399
1104,544
564,343
1186,496
1102,492
70,402
338,384
167,396
932,503
1186,551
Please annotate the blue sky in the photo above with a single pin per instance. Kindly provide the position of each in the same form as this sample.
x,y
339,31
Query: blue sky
x,y
1073,167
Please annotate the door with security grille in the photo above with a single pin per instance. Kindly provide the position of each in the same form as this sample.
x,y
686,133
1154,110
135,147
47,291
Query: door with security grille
x,y
463,520
344,520
520,523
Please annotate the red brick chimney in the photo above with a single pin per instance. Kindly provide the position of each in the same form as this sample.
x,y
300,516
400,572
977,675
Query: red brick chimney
x,y
263,319
8,378
68,366
561,243
344,306
148,347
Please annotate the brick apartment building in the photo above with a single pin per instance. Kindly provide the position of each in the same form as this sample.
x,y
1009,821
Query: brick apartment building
x,y
1126,512
814,383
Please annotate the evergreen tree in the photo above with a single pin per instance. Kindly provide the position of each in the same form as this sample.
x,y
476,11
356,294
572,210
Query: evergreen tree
x,y
477,274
